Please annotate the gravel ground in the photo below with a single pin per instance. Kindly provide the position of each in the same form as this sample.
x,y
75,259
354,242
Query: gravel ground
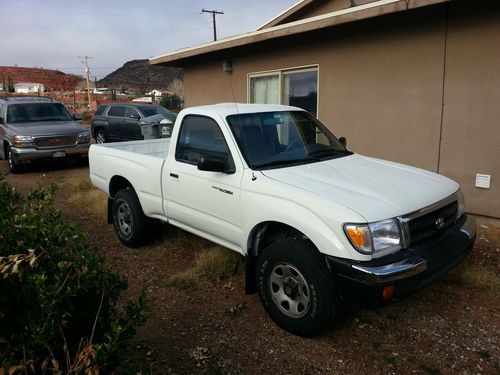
x,y
449,327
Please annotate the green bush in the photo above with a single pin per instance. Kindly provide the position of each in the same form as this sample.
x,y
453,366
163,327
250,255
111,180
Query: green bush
x,y
58,303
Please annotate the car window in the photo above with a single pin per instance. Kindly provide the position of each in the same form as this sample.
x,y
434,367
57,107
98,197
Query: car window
x,y
100,110
201,136
131,112
149,110
117,111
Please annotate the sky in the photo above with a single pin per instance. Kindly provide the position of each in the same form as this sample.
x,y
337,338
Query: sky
x,y
55,34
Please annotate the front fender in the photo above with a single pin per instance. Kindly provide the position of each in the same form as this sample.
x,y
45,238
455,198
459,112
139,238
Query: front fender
x,y
320,221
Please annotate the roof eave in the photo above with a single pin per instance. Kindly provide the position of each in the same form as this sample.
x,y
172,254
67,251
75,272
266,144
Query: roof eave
x,y
369,10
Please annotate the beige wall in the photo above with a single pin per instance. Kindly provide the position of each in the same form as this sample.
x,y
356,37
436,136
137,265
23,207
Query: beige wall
x,y
381,85
471,117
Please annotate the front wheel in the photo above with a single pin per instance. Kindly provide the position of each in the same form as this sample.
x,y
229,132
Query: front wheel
x,y
129,221
295,286
13,166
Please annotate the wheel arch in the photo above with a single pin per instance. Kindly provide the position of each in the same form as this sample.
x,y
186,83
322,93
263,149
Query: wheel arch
x,y
116,184
261,235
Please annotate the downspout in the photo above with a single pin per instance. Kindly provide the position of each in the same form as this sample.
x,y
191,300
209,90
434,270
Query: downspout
x,y
443,88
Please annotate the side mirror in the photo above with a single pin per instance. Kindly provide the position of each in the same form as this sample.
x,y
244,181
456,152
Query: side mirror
x,y
213,164
343,141
78,116
135,117
2,121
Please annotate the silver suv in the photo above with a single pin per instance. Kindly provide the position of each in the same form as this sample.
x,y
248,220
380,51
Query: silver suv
x,y
37,128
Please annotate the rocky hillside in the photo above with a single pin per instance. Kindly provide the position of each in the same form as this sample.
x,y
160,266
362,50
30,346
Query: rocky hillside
x,y
138,74
53,80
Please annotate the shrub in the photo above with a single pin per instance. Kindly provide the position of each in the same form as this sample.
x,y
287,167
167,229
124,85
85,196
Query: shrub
x,y
58,303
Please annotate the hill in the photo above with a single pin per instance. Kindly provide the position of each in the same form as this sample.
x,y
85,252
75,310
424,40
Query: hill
x,y
53,80
138,74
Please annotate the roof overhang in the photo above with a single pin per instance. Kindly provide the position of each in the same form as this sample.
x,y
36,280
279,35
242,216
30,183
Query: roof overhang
x,y
370,10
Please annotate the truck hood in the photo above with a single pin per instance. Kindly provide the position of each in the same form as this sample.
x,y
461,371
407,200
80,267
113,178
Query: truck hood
x,y
47,128
375,189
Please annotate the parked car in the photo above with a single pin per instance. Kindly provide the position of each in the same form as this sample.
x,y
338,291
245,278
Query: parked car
x,y
120,122
318,224
39,128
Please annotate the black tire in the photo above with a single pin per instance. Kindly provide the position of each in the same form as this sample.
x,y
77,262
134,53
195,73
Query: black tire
x,y
13,166
130,223
295,286
100,136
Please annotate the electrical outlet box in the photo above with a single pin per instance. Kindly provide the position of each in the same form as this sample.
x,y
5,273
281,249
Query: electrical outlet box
x,y
483,181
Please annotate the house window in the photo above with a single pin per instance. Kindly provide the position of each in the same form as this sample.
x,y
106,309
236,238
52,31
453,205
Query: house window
x,y
295,87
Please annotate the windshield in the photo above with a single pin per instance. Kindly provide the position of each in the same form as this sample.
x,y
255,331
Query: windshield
x,y
37,112
272,139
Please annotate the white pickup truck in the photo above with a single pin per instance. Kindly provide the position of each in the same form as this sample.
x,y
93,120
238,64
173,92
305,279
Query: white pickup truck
x,y
317,223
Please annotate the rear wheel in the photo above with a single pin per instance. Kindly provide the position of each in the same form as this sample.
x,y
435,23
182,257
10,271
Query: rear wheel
x,y
129,221
100,136
295,286
13,166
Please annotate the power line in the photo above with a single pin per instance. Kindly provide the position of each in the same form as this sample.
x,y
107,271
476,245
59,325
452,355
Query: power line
x,y
67,11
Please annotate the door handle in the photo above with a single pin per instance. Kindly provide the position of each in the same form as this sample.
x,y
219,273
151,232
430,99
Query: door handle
x,y
173,175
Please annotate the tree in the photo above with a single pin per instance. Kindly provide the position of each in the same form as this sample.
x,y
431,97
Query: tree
x,y
176,87
10,85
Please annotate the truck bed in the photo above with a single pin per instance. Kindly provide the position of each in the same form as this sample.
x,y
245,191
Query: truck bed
x,y
138,161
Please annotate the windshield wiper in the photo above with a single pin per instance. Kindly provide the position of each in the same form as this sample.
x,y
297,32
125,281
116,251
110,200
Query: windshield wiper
x,y
286,161
330,152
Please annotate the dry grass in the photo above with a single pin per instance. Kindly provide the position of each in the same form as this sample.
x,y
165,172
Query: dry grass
x,y
213,264
475,277
82,195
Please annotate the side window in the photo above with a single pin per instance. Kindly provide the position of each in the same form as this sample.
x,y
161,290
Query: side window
x,y
100,110
201,136
132,112
117,111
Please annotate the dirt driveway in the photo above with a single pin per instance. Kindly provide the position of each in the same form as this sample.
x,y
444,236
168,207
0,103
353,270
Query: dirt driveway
x,y
212,327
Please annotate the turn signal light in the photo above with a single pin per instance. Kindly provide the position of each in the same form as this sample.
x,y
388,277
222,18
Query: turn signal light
x,y
356,235
388,293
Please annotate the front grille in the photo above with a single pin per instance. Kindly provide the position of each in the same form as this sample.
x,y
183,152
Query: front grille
x,y
430,225
55,141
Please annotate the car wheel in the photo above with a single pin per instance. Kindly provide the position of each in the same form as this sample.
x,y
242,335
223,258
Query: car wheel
x,y
295,286
129,221
100,136
13,166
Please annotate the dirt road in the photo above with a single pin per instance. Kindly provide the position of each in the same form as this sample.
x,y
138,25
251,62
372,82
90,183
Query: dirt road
x,y
212,327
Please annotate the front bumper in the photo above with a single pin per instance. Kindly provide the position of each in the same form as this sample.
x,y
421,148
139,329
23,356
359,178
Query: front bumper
x,y
23,155
405,271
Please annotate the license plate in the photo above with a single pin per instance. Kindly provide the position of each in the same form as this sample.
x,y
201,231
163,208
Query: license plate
x,y
59,154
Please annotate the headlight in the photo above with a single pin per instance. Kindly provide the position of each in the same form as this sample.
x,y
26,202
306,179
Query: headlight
x,y
84,137
377,237
461,203
23,140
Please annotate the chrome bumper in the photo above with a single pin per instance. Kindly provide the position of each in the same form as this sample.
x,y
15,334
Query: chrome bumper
x,y
408,267
28,154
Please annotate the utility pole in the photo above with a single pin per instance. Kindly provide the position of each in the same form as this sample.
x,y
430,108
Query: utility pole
x,y
87,73
214,12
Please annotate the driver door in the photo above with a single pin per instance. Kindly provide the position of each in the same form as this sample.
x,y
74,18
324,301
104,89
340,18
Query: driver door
x,y
204,201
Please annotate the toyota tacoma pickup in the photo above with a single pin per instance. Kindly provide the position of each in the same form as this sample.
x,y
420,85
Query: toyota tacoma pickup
x,y
319,225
